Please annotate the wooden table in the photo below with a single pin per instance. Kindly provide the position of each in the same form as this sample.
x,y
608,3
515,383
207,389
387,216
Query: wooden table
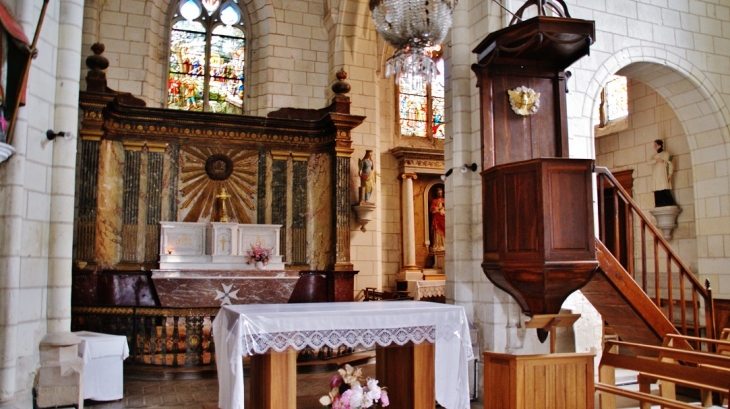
x,y
429,362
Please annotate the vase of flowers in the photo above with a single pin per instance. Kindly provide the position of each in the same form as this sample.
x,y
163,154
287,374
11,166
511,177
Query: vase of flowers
x,y
258,255
349,390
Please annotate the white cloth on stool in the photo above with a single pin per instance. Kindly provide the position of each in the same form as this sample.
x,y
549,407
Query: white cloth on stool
x,y
103,356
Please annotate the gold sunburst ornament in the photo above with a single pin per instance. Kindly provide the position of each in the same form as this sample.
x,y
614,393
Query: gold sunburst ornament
x,y
206,172
524,101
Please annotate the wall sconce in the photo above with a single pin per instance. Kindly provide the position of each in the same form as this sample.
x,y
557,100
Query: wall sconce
x,y
65,135
463,169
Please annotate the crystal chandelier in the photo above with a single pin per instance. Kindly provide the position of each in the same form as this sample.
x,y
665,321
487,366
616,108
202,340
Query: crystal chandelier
x,y
411,26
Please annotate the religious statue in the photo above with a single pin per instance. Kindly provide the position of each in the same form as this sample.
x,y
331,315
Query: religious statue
x,y
368,175
524,101
438,220
661,171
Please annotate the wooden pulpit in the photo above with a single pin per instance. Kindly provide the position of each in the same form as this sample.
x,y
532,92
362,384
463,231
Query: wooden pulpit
x,y
537,203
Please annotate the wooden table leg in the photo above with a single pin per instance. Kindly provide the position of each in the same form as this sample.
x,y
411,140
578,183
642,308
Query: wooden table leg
x,y
409,374
274,380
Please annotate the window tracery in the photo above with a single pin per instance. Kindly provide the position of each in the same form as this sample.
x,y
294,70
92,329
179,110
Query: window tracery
x,y
206,69
420,104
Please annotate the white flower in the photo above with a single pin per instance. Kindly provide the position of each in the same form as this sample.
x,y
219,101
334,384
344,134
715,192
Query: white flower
x,y
350,374
366,401
357,395
329,398
373,389
325,400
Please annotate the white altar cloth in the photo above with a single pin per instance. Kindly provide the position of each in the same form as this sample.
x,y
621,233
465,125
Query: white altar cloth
x,y
254,329
103,356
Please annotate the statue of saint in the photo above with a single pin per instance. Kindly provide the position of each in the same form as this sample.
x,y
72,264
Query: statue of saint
x,y
661,171
367,175
438,220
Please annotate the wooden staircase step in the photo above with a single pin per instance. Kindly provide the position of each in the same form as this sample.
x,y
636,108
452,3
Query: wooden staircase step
x,y
623,304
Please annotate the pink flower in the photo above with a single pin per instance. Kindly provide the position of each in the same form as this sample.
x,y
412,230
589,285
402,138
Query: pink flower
x,y
336,381
384,401
343,400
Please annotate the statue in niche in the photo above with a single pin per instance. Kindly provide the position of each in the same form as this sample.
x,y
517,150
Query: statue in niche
x,y
368,175
438,220
661,171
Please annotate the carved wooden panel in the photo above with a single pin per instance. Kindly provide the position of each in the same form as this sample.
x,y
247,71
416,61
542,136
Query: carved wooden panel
x,y
538,228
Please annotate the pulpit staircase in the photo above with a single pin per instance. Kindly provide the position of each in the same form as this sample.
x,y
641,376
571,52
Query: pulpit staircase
x,y
637,303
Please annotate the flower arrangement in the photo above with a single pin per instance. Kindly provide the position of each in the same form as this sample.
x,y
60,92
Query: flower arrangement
x,y
347,391
258,253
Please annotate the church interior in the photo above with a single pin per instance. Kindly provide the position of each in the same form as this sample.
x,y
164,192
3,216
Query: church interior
x,y
548,179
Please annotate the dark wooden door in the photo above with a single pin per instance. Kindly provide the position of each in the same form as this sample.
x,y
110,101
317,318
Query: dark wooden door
x,y
616,234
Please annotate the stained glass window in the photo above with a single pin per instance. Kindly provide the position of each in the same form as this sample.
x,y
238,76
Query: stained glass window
x,y
614,101
421,105
207,57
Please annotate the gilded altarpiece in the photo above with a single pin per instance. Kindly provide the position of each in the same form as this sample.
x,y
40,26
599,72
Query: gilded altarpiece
x,y
428,166
160,165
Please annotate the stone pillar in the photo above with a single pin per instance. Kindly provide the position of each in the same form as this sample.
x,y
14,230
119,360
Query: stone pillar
x,y
409,271
65,119
108,243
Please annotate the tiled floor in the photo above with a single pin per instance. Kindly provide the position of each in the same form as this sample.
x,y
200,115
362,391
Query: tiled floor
x,y
203,393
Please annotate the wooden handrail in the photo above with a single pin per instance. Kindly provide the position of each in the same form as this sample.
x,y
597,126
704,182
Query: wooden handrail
x,y
666,275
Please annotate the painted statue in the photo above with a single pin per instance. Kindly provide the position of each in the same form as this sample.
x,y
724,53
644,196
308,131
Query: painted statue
x,y
661,172
438,220
368,175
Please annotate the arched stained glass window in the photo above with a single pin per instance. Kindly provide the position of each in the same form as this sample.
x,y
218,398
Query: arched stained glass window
x,y
421,105
207,57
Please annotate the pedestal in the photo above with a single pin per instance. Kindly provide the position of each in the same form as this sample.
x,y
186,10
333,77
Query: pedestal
x,y
6,151
538,381
666,219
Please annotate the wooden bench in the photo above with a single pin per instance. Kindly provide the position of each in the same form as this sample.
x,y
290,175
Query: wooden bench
x,y
372,295
725,334
720,347
693,369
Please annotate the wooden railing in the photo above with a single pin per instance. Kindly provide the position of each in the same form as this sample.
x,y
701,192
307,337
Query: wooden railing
x,y
659,270
172,337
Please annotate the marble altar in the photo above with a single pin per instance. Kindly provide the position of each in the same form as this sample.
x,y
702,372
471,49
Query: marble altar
x,y
217,246
206,265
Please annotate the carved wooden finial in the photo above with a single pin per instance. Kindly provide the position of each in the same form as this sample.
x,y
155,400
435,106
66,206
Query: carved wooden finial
x,y
96,78
341,87
97,61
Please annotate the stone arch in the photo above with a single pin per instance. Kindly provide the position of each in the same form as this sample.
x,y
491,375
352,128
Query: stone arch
x,y
704,116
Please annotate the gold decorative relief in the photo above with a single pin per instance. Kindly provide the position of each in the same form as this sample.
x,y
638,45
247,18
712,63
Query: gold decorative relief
x,y
524,101
206,171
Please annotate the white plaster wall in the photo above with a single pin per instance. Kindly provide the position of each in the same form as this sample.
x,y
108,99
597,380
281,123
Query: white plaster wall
x,y
36,200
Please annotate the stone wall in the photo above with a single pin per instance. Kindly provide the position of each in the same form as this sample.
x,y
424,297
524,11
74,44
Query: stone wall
x,y
652,118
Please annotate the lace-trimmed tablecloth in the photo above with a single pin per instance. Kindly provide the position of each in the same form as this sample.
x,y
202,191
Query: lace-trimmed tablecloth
x,y
241,330
426,288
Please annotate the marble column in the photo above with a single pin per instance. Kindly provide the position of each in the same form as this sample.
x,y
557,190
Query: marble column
x,y
108,244
409,271
142,204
